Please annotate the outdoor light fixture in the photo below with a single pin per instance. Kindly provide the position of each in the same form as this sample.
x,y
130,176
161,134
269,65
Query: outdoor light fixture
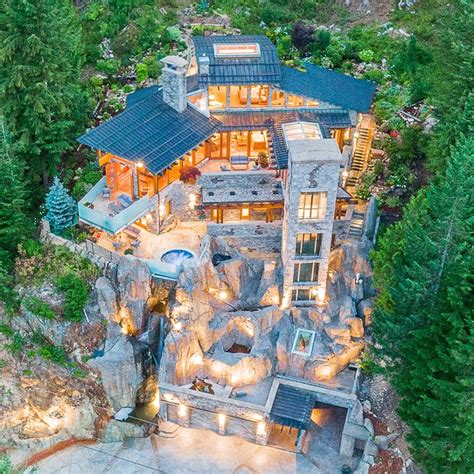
x,y
197,359
177,325
221,418
261,429
192,200
182,410
139,164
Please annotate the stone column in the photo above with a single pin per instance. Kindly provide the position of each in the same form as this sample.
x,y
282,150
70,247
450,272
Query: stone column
x,y
347,445
313,167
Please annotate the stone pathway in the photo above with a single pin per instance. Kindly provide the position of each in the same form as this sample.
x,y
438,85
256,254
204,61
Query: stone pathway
x,y
192,450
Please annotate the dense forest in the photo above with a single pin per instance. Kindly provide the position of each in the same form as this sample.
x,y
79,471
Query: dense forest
x,y
65,66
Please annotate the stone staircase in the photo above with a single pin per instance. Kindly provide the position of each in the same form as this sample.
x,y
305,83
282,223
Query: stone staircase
x,y
361,156
357,225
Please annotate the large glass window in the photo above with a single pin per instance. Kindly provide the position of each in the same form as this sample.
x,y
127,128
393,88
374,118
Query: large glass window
x,y
259,96
295,101
303,294
238,96
308,245
278,98
198,100
312,206
306,272
217,97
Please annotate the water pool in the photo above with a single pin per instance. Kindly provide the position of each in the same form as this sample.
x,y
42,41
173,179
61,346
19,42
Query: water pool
x,y
176,256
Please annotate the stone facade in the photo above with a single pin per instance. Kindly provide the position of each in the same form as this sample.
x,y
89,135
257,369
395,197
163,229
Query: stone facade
x,y
313,167
174,82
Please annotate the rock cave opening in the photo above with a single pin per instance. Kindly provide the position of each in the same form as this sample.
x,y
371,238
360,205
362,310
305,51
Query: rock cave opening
x,y
239,338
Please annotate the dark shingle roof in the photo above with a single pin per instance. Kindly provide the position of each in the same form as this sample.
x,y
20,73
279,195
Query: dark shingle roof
x,y
264,69
292,407
150,131
192,83
330,86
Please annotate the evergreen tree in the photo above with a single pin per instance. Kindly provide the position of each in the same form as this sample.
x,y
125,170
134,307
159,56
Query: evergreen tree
x,y
15,223
61,207
40,65
423,321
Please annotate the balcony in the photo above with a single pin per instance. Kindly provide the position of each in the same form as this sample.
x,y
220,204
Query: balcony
x,y
94,210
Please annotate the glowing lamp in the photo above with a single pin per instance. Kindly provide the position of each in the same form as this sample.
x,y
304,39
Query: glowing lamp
x,y
182,410
221,419
139,164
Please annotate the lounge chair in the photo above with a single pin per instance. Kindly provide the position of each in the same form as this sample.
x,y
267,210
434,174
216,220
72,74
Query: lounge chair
x,y
239,162
105,192
115,208
132,231
224,168
124,200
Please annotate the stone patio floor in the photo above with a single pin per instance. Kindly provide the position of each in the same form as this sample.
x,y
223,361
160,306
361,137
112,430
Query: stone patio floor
x,y
192,450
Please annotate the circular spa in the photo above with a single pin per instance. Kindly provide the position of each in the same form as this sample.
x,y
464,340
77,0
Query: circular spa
x,y
176,256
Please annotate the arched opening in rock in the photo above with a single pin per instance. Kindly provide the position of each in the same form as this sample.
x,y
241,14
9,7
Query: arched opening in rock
x,y
239,338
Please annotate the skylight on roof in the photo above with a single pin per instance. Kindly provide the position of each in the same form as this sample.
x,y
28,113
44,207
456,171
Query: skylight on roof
x,y
302,131
237,50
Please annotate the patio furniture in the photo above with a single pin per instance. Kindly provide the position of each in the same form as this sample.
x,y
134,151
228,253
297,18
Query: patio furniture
x,y
105,192
224,168
125,200
239,162
114,208
135,244
132,231
117,245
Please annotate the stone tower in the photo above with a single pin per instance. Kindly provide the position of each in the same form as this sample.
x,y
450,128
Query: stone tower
x,y
310,199
174,82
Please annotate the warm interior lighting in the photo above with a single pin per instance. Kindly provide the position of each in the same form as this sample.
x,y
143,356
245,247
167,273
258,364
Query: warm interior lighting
x,y
236,50
182,410
321,293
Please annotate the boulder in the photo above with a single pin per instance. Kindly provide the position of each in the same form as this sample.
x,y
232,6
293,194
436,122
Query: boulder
x,y
369,426
384,441
333,365
356,327
347,309
371,448
365,308
118,431
121,377
367,406
107,299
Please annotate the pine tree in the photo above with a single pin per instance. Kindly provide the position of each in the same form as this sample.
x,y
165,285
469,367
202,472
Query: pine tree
x,y
15,222
424,320
40,65
62,209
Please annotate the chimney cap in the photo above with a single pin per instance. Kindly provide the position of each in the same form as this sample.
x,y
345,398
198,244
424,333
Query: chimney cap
x,y
175,61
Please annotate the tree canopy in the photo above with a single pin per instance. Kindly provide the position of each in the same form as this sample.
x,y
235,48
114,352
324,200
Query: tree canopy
x,y
40,67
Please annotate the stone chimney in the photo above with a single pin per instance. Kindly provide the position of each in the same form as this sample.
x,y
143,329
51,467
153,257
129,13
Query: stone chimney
x,y
174,82
203,62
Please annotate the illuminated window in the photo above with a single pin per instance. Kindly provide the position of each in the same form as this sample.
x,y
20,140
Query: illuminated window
x,y
278,98
217,97
245,213
303,294
306,272
312,206
312,103
295,101
236,50
302,131
198,100
308,245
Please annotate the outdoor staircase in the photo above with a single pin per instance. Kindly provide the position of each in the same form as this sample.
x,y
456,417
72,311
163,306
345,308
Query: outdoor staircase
x,y
361,155
357,225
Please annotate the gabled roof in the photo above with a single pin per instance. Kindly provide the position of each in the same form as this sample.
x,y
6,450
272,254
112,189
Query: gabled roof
x,y
329,86
292,407
262,69
150,131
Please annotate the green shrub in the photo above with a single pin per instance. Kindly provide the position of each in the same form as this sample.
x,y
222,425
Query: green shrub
x,y
17,344
39,308
3,364
153,66
76,294
108,66
366,55
142,72
53,353
79,373
6,330
363,192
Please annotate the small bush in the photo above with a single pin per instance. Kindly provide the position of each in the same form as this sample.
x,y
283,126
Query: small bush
x,y
108,66
53,353
6,330
39,308
17,344
76,295
363,192
142,72
189,174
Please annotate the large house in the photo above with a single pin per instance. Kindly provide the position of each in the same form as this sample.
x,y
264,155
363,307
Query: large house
x,y
274,145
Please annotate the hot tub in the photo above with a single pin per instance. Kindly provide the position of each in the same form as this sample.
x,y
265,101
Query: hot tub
x,y
176,256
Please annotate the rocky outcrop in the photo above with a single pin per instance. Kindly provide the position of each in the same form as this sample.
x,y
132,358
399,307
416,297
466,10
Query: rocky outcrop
x,y
119,430
120,374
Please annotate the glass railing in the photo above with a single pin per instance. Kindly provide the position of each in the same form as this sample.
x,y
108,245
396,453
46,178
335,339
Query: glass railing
x,y
161,269
113,224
